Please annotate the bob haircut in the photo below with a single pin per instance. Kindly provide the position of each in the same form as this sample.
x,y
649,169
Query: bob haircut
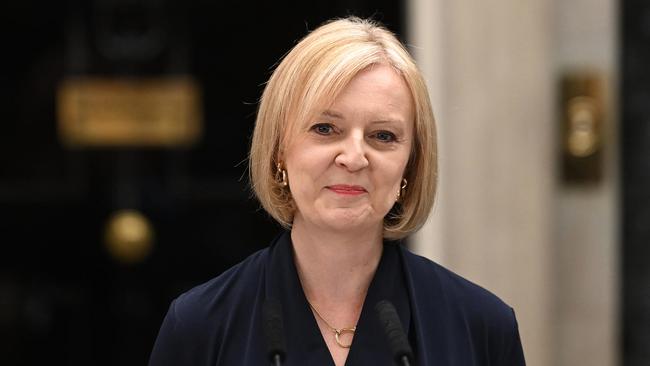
x,y
307,81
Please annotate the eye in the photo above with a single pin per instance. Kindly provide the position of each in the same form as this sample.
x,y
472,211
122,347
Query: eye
x,y
323,129
385,136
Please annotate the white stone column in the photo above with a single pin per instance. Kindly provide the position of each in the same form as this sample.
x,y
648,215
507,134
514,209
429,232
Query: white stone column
x,y
489,65
586,217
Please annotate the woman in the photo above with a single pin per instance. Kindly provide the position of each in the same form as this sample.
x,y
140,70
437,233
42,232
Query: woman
x,y
344,156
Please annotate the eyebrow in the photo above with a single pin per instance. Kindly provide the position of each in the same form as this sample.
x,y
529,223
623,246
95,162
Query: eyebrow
x,y
387,122
333,114
337,115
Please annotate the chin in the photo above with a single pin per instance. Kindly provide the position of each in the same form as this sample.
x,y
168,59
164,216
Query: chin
x,y
351,220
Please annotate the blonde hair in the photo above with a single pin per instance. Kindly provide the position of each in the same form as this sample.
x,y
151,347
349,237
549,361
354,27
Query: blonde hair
x,y
308,79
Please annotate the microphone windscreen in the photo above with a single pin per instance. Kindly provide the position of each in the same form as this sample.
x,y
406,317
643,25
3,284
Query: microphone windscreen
x,y
273,329
392,326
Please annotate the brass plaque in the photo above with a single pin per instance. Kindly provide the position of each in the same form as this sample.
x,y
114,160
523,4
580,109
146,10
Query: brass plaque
x,y
583,116
105,112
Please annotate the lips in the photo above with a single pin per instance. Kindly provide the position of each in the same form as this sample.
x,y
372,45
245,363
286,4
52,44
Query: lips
x,y
347,189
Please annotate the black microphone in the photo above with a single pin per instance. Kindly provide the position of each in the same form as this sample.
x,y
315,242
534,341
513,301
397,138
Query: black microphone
x,y
274,331
399,344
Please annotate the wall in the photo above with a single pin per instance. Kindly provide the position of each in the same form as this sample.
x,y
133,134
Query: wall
x,y
503,219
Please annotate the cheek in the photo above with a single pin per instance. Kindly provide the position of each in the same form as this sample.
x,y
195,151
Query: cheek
x,y
392,178
394,171
307,157
304,169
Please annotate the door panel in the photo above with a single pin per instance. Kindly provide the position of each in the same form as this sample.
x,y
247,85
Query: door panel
x,y
63,298
635,102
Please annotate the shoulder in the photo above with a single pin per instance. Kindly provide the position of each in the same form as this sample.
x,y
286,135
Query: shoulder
x,y
466,301
455,288
469,311
236,286
194,327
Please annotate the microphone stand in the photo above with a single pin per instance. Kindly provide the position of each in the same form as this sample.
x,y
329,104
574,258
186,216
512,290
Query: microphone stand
x,y
397,340
274,331
405,361
277,360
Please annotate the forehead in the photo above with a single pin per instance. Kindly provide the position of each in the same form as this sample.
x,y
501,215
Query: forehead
x,y
378,90
377,82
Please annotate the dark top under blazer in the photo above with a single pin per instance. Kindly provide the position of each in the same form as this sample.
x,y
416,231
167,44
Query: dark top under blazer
x,y
449,320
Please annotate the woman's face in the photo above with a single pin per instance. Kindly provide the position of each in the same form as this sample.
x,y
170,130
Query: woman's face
x,y
345,167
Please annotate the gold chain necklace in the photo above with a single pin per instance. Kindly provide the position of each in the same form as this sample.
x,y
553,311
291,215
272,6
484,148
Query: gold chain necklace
x,y
337,332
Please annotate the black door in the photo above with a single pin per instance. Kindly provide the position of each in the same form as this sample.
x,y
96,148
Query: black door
x,y
64,299
635,103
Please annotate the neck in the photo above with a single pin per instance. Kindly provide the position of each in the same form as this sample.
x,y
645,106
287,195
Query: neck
x,y
335,268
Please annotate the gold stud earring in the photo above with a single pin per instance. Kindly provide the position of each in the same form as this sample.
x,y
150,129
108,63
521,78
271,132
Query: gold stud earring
x,y
281,175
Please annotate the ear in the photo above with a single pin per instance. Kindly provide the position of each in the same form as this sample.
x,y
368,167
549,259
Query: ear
x,y
279,158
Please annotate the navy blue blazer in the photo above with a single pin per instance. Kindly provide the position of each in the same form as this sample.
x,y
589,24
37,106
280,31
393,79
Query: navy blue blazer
x,y
449,320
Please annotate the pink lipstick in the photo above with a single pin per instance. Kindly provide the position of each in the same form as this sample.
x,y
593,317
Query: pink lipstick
x,y
347,189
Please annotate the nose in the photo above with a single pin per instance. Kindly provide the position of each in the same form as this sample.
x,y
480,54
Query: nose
x,y
352,153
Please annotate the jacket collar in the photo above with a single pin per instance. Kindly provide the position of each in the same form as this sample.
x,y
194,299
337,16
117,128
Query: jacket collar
x,y
431,328
305,344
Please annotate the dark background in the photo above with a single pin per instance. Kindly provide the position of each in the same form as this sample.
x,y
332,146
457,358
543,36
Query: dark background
x,y
635,145
63,299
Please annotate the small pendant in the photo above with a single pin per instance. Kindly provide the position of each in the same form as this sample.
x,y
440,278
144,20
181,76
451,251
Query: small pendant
x,y
338,332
